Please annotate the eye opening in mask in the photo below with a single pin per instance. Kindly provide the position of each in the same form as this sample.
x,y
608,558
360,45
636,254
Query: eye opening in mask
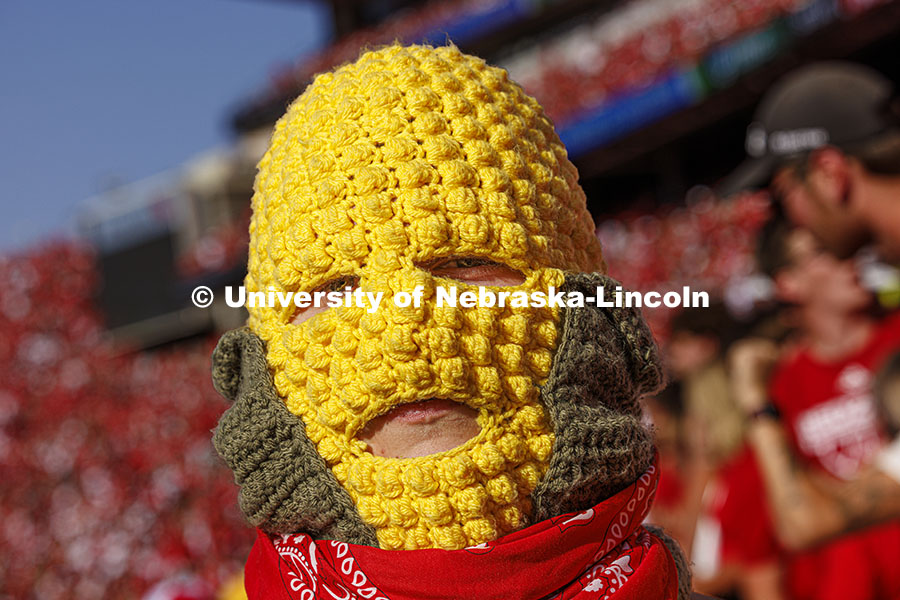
x,y
474,270
340,283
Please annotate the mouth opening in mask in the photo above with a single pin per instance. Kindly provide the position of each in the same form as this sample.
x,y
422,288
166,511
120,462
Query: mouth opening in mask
x,y
420,428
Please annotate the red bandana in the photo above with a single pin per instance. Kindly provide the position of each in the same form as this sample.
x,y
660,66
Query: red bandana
x,y
602,552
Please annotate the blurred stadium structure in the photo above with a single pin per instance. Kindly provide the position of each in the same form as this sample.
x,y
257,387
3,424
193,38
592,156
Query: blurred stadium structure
x,y
109,481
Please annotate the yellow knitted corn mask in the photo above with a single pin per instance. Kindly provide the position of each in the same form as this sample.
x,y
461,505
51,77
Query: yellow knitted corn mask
x,y
404,157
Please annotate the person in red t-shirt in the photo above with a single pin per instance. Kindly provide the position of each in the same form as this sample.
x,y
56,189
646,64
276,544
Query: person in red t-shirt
x,y
822,388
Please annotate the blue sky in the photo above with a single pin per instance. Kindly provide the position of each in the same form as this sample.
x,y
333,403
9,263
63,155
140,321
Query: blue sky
x,y
97,89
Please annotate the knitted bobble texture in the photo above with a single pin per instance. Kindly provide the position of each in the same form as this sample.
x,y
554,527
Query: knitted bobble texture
x,y
407,156
417,152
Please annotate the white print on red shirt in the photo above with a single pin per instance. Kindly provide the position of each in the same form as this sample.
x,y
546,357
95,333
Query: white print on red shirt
x,y
842,433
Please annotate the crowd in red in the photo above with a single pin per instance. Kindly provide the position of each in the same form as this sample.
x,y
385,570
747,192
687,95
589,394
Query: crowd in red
x,y
110,483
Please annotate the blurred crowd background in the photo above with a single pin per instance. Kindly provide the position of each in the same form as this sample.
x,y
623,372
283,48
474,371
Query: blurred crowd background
x,y
110,486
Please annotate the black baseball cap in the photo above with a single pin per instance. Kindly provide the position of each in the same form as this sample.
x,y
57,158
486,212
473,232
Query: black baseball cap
x,y
835,103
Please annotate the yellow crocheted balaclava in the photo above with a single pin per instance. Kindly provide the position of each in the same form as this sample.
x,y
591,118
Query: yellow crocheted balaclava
x,y
409,155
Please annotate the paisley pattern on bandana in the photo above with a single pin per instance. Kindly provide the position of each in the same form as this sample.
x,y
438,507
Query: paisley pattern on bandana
x,y
599,553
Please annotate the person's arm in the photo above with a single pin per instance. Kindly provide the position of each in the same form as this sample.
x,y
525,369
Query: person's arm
x,y
870,498
802,514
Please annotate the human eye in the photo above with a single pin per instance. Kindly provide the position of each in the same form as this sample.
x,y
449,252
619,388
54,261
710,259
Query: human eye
x,y
475,271
339,284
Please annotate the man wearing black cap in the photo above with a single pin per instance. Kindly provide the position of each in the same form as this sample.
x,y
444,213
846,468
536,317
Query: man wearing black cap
x,y
826,138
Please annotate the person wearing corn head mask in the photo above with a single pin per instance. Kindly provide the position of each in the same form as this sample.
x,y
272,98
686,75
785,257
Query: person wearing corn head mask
x,y
499,449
